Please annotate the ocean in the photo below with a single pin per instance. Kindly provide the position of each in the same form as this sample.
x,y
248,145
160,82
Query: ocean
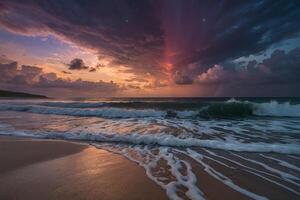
x,y
232,140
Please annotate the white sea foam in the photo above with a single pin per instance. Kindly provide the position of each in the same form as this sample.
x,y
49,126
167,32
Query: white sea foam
x,y
101,112
286,176
274,108
282,163
187,113
172,141
149,159
217,175
174,166
262,174
91,110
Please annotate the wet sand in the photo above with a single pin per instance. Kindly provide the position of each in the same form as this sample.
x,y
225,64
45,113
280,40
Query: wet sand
x,y
54,169
47,169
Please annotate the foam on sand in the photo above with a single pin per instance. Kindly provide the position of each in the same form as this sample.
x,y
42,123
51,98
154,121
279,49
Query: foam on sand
x,y
217,175
150,161
169,141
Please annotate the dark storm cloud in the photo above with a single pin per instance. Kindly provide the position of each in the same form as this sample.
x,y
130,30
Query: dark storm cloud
x,y
283,67
280,69
213,31
144,34
126,31
77,64
32,78
277,75
182,79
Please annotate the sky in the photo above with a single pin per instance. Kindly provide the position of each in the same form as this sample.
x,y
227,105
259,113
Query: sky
x,y
150,48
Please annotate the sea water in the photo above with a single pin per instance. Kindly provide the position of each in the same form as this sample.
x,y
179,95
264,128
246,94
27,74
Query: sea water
x,y
170,137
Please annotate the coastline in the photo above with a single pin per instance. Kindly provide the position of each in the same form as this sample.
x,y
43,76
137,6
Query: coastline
x,y
33,168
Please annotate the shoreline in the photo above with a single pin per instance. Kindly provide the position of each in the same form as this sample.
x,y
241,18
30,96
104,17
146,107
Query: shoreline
x,y
70,169
48,169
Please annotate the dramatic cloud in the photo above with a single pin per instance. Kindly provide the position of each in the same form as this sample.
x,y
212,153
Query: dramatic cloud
x,y
77,64
33,79
281,69
149,33
182,79
127,31
174,41
209,32
215,75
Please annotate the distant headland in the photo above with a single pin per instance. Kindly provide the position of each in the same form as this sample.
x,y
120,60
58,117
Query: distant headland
x,y
12,94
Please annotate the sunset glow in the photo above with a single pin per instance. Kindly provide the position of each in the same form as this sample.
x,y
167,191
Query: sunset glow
x,y
150,99
133,52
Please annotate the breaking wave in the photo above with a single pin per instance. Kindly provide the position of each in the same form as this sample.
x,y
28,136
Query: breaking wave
x,y
245,108
274,108
103,112
73,104
169,141
231,108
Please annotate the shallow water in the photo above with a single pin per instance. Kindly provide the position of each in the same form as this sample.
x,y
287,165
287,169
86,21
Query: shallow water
x,y
238,143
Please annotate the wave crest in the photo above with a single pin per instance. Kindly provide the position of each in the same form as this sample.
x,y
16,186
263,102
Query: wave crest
x,y
274,108
231,108
170,141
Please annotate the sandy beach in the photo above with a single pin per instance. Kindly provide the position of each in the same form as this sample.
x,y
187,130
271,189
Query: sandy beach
x,y
57,169
54,169
40,169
